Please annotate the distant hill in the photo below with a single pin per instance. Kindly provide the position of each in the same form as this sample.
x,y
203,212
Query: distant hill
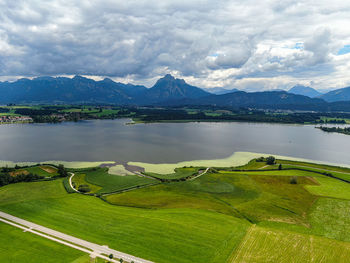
x,y
254,99
169,88
67,90
83,90
337,95
220,91
305,91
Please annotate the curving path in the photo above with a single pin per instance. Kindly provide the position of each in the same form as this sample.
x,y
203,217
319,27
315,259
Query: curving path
x,y
70,182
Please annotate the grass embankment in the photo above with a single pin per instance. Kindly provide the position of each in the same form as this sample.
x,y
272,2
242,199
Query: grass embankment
x,y
168,236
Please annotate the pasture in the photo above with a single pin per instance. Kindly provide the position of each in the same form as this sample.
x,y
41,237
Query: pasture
x,y
247,213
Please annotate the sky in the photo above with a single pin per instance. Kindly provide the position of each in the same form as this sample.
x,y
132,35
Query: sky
x,y
246,44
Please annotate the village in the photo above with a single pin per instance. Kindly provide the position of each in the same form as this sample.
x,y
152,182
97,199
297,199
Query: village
x,y
6,119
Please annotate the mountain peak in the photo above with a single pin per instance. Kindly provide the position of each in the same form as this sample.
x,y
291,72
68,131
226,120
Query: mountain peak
x,y
108,80
306,91
169,77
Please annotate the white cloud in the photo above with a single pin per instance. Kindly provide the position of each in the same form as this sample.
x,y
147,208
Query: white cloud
x,y
245,44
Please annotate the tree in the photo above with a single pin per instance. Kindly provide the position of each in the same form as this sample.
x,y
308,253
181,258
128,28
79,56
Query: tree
x,y
111,256
62,171
121,260
280,167
270,160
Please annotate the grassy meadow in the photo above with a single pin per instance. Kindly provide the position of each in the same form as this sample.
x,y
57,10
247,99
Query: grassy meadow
x,y
254,212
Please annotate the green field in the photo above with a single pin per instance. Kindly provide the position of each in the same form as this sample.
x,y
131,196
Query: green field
x,y
112,183
131,230
241,214
17,246
179,173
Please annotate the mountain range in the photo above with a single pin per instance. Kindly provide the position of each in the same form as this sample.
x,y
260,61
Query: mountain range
x,y
167,91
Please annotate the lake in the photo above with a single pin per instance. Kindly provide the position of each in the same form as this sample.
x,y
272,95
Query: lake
x,y
112,140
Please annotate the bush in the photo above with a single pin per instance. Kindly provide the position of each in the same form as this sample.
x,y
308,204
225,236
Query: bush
x,y
84,188
270,160
260,159
294,180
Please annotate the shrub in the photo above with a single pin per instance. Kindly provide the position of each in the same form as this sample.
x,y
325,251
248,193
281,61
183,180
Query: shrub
x,y
260,159
84,188
294,180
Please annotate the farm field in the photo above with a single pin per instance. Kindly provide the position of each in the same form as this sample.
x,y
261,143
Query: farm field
x,y
249,213
26,247
270,245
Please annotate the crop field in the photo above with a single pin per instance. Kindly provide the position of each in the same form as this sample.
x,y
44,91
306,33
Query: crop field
x,y
330,218
260,215
270,245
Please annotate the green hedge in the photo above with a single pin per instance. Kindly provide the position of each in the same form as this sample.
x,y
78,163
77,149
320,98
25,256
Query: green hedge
x,y
67,186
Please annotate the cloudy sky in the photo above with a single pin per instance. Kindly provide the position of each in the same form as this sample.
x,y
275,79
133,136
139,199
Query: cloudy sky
x,y
245,44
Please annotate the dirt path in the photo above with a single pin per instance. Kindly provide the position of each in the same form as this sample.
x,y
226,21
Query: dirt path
x,y
70,182
206,170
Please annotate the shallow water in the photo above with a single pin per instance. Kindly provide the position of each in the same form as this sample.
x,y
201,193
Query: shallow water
x,y
101,140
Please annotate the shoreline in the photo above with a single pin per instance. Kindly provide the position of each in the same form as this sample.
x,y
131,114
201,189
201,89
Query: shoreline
x,y
236,159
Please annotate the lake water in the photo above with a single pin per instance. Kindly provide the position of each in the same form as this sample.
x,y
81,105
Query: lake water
x,y
112,140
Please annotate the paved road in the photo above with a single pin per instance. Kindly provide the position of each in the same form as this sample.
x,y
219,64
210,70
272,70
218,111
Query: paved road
x,y
93,249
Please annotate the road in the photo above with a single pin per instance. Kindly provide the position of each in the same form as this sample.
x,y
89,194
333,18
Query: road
x,y
93,249
70,182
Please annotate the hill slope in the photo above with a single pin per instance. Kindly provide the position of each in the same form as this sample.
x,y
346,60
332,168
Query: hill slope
x,y
254,99
305,91
337,95
66,90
